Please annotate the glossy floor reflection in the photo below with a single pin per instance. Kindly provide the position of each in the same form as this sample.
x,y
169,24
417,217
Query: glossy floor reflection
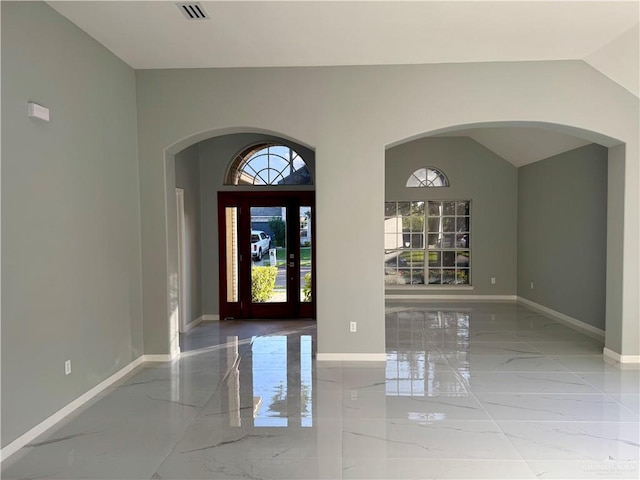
x,y
489,390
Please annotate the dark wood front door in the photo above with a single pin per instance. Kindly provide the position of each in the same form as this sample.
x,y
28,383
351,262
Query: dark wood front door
x,y
267,254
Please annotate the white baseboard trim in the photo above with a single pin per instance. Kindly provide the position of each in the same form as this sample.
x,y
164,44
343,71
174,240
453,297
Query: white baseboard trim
x,y
580,325
428,297
621,358
200,319
165,357
428,288
45,425
195,323
351,357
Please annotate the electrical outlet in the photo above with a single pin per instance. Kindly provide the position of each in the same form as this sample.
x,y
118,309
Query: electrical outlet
x,y
493,280
67,367
531,285
354,394
353,326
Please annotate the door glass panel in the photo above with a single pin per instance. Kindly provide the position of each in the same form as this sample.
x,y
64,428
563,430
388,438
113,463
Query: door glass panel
x,y
231,254
268,254
305,254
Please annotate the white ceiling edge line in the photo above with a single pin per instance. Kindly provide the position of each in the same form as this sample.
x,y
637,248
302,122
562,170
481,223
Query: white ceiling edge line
x,y
351,1
513,158
622,69
635,93
536,160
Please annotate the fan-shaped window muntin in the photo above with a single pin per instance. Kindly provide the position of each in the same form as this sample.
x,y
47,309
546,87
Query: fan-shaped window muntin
x,y
269,164
427,177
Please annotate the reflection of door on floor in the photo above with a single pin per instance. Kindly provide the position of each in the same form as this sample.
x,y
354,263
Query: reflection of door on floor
x,y
266,255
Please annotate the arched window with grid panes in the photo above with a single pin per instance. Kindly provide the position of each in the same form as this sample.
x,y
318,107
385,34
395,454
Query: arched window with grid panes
x,y
269,164
427,177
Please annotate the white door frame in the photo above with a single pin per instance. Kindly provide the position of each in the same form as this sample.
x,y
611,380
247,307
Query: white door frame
x,y
182,304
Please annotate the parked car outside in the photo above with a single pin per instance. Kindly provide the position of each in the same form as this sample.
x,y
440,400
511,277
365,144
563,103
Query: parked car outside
x,y
260,243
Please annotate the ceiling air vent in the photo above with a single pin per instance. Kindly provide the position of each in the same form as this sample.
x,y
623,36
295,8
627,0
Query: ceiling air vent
x,y
193,11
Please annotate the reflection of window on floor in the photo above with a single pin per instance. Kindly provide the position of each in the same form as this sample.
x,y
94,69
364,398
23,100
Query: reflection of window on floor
x,y
445,256
405,373
306,382
414,366
233,383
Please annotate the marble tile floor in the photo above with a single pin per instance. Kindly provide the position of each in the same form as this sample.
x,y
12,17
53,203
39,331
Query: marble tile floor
x,y
471,390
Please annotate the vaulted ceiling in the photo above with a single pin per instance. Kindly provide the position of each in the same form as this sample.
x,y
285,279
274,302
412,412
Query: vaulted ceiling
x,y
156,34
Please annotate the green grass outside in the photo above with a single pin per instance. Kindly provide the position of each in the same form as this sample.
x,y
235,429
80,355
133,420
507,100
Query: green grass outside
x,y
305,257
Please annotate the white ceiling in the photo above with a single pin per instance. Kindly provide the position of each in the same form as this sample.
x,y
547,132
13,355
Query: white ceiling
x,y
155,34
521,145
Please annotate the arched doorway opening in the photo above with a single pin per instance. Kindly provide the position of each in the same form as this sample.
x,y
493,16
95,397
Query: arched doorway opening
x,y
200,166
545,214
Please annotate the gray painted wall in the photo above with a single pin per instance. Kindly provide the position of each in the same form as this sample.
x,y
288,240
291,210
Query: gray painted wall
x,y
562,233
188,178
71,269
349,115
74,288
477,174
215,156
614,334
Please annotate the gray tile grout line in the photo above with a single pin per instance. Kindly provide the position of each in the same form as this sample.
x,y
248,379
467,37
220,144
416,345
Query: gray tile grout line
x,y
468,389
495,423
547,356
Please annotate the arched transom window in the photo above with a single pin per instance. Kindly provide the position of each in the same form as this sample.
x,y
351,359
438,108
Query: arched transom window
x,y
428,177
269,164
